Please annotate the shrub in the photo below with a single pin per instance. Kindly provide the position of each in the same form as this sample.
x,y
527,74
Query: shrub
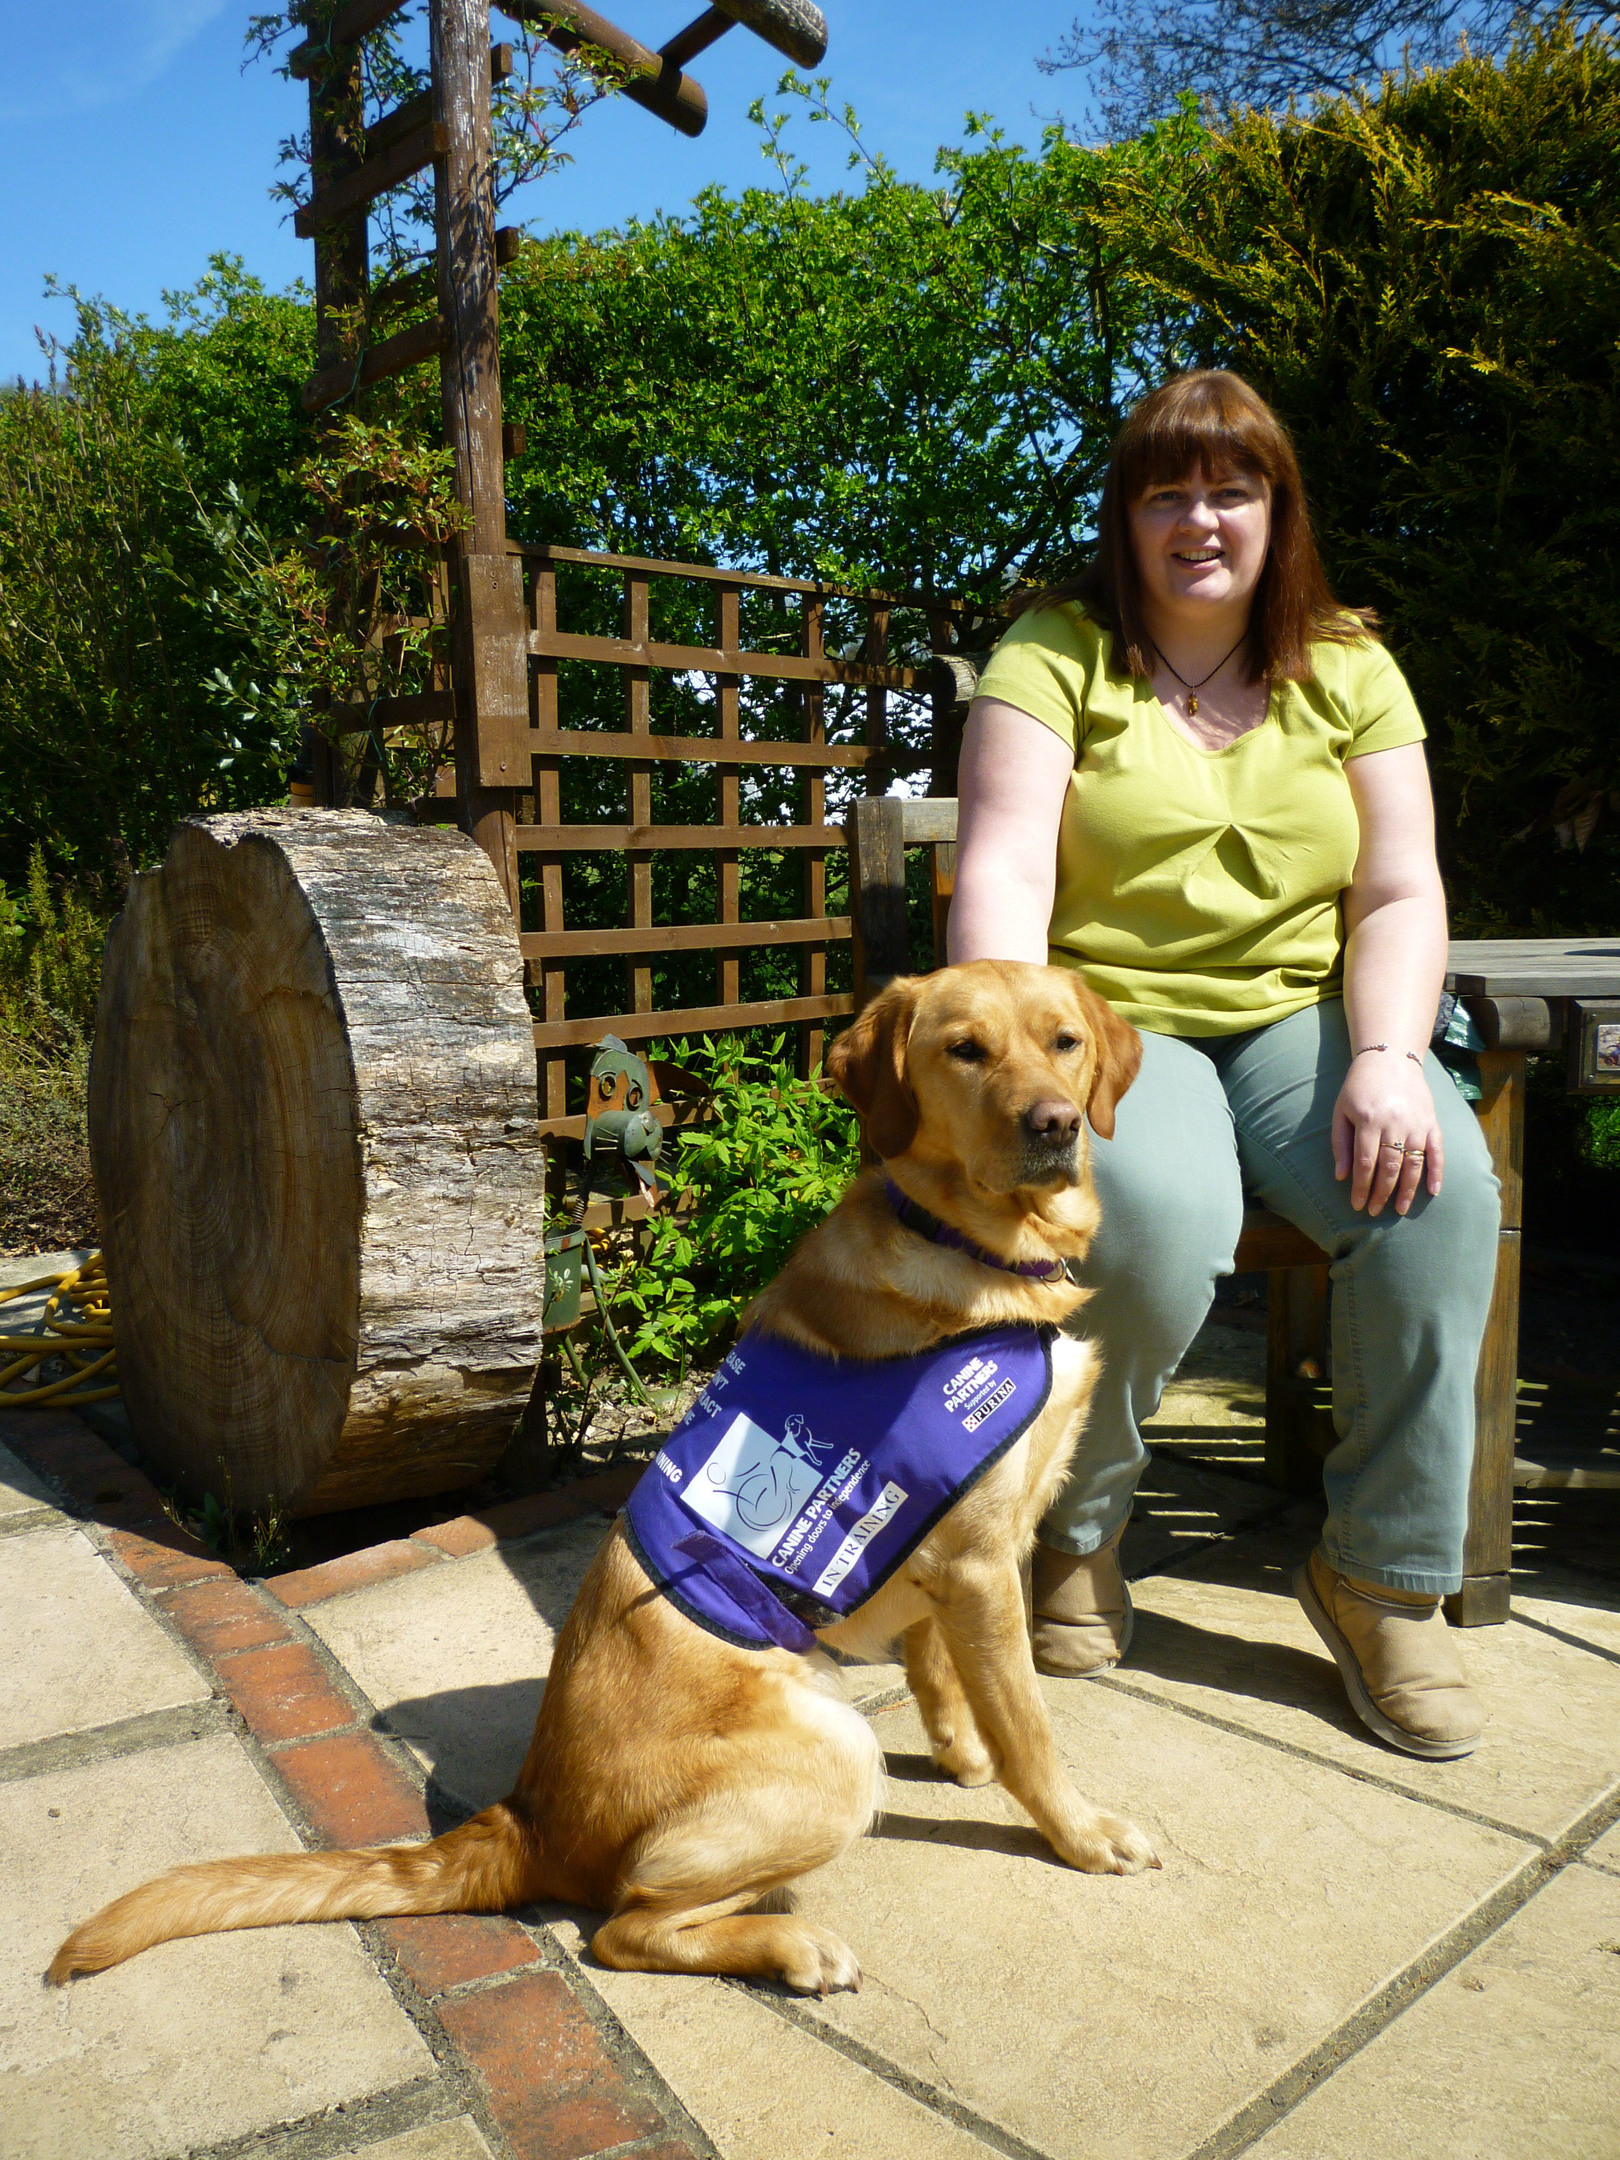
x,y
774,1157
50,972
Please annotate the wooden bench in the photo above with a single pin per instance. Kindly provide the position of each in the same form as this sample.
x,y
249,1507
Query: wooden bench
x,y
1299,1424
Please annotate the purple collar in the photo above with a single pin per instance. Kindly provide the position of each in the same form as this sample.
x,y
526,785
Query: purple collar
x,y
929,1226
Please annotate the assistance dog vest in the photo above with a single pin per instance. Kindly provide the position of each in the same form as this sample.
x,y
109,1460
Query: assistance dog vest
x,y
796,1484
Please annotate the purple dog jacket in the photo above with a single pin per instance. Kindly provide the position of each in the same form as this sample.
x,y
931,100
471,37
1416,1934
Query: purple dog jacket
x,y
796,1484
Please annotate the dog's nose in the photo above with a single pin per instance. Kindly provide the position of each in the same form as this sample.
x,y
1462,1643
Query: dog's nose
x,y
1053,1120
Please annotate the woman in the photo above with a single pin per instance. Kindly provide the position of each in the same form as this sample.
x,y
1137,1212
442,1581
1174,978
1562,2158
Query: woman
x,y
1195,776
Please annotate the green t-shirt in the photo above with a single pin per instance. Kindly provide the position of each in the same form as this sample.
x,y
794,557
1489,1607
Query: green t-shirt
x,y
1199,891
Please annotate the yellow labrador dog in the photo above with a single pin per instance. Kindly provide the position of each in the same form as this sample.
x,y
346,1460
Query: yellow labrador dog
x,y
675,1778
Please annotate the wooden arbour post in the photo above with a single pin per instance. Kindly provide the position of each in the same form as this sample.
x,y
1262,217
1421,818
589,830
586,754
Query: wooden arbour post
x,y
490,665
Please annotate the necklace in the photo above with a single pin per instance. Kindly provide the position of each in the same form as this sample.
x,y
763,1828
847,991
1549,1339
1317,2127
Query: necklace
x,y
1192,688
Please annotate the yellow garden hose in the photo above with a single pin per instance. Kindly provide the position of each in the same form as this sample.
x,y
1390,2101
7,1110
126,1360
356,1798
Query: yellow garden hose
x,y
74,1329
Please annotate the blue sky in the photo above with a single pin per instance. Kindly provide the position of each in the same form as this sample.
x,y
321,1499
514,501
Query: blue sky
x,y
133,144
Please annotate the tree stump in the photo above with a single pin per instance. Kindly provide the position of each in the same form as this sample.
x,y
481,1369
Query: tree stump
x,y
314,1128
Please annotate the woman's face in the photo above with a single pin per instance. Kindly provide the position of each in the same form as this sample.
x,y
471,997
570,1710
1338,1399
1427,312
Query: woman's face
x,y
1201,544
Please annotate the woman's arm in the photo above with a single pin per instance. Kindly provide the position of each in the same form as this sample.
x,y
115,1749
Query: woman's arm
x,y
1394,965
1012,782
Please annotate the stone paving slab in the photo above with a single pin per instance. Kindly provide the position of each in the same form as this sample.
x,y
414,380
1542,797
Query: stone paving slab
x,y
22,1496
1122,2019
458,2140
196,2041
1223,1633
762,2088
18,1268
79,1650
1515,2055
456,1656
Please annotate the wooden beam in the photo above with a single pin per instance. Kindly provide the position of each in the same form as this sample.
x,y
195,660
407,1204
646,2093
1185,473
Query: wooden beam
x,y
405,155
416,285
422,341
584,839
347,26
657,85
697,37
926,820
393,127
693,749
681,937
710,660
417,111
691,1020
428,708
746,580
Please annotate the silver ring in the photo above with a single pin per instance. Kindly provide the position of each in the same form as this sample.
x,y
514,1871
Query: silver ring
x,y
1414,1151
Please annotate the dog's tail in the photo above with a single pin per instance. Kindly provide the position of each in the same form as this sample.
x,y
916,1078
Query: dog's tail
x,y
494,1861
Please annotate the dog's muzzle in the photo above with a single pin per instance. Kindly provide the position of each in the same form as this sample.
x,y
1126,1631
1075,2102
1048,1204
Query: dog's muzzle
x,y
1049,1142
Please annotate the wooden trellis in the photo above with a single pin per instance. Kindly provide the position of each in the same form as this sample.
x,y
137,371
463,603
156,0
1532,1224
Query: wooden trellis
x,y
637,656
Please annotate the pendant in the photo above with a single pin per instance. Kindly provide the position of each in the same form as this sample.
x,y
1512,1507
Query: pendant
x,y
1192,706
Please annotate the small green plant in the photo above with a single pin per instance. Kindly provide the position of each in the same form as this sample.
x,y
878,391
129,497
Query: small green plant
x,y
256,1546
1600,1143
743,1189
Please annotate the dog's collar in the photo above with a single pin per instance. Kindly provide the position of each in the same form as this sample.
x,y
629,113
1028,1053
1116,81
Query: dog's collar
x,y
929,1226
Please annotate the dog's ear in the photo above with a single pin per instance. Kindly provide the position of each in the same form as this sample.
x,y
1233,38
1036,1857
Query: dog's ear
x,y
1119,1055
868,1063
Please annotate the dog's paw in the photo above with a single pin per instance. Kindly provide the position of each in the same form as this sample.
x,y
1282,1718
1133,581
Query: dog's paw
x,y
815,1962
1109,1845
968,1763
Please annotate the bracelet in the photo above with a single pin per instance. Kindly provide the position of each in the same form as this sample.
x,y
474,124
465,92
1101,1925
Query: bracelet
x,y
1362,1052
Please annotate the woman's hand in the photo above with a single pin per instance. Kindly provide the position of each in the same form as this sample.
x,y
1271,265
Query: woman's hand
x,y
1386,1137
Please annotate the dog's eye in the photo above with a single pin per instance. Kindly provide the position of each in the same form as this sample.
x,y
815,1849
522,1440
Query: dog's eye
x,y
1066,1043
968,1052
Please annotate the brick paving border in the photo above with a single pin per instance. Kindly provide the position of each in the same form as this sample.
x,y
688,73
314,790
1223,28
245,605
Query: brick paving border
x,y
554,2076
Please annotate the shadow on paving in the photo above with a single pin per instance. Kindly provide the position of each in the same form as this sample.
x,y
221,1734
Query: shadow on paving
x,y
1231,1532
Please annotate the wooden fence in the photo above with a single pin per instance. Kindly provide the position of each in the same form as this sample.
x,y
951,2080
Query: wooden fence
x,y
729,667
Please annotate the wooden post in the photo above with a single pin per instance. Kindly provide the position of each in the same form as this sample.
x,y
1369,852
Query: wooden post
x,y
492,700
727,786
336,148
638,784
875,651
813,809
877,892
1299,1432
1488,1554
548,811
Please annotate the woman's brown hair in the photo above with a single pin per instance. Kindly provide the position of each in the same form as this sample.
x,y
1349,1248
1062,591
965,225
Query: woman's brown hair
x,y
1214,420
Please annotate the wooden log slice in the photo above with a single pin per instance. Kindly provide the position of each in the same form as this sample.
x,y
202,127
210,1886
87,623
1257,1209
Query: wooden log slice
x,y
314,1129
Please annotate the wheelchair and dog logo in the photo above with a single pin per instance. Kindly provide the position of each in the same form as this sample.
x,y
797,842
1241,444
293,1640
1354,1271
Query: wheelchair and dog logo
x,y
754,1484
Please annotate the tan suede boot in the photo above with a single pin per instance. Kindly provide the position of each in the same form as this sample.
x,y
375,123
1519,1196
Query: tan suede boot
x,y
1082,1610
1401,1669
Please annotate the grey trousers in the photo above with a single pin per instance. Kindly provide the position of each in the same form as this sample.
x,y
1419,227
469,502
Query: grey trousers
x,y
1213,1119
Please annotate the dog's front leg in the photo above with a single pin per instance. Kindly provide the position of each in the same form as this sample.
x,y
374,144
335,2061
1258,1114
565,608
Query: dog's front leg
x,y
946,1712
980,1612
